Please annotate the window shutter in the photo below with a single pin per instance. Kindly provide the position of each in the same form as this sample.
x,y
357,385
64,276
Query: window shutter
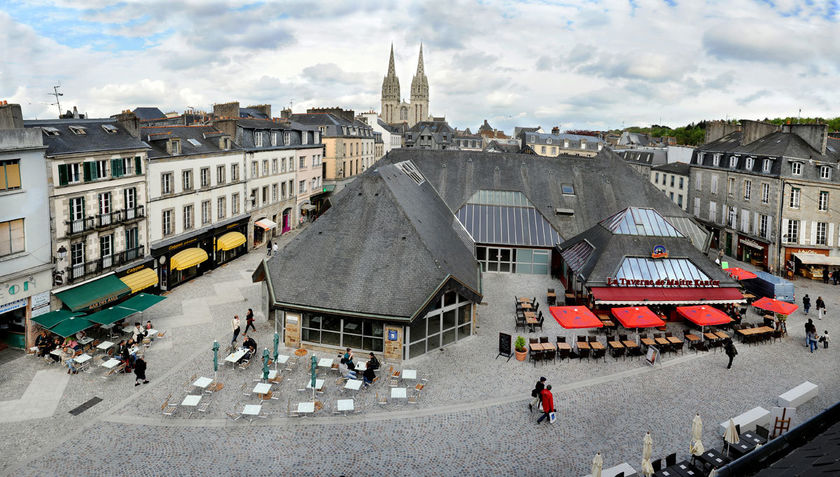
x,y
785,225
87,171
769,227
756,223
830,234
62,174
137,167
813,233
116,167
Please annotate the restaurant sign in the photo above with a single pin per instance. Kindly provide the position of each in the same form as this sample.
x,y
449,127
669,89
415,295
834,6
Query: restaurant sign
x,y
659,251
662,282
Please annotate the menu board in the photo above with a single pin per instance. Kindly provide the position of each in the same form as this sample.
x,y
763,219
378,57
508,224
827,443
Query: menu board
x,y
504,346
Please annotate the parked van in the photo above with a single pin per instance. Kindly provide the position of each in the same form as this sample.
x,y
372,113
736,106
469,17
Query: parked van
x,y
770,286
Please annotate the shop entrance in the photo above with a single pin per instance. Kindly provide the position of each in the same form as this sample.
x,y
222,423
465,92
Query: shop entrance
x,y
287,221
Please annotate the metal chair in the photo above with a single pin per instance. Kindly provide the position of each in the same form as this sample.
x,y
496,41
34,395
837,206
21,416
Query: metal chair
x,y
168,409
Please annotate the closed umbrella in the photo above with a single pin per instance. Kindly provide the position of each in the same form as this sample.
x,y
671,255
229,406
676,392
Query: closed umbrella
x,y
312,374
597,465
731,435
265,363
696,447
647,451
276,343
215,359
713,473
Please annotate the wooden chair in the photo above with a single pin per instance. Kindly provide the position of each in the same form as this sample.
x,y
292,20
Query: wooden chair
x,y
616,352
657,465
599,353
168,409
382,401
550,354
561,339
543,339
203,405
564,354
671,459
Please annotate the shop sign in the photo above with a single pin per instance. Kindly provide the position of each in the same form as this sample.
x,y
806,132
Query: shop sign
x,y
13,305
664,283
659,251
15,289
40,311
41,299
392,335
103,301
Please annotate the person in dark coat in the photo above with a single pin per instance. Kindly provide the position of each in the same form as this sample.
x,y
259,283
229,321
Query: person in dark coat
x,y
140,371
806,303
368,376
547,403
249,320
729,347
820,308
536,393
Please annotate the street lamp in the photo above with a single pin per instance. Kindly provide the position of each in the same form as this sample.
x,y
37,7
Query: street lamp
x,y
61,253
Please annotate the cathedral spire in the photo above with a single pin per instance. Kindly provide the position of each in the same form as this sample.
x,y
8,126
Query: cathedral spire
x,y
391,69
420,71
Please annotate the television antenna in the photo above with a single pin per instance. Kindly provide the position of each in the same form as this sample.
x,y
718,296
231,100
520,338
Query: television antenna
x,y
56,94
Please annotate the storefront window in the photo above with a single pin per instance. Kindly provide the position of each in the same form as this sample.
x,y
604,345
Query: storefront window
x,y
344,332
440,327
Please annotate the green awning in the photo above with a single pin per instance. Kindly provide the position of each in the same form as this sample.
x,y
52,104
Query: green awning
x,y
141,301
48,320
71,326
109,315
94,294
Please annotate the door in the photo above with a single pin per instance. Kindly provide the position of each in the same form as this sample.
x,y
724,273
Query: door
x,y
105,208
106,250
77,214
728,244
286,221
130,203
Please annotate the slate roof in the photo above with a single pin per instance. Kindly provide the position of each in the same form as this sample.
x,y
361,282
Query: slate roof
x,y
681,168
206,136
145,113
398,243
433,126
558,139
495,146
252,113
517,130
775,144
95,139
388,127
603,184
609,249
635,139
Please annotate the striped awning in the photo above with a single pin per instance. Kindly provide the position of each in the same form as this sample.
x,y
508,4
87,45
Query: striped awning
x,y
140,280
266,224
230,241
187,258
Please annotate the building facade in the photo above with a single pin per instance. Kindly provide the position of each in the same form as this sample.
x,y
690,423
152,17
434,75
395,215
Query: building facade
x,y
394,109
197,219
765,193
26,252
430,135
96,173
391,136
673,180
553,145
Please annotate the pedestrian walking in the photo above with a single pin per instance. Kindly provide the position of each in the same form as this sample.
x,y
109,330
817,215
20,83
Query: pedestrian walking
x,y
274,248
235,325
140,371
249,320
809,328
729,347
811,336
806,303
836,275
536,393
826,274
547,404
268,248
825,339
820,308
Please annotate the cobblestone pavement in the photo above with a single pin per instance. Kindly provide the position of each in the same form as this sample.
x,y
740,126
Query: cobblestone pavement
x,y
472,418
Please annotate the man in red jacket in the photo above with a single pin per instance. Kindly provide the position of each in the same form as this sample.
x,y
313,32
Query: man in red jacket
x,y
547,403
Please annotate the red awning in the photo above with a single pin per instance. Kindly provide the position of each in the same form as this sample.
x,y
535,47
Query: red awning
x,y
571,317
740,273
637,317
702,315
775,306
665,296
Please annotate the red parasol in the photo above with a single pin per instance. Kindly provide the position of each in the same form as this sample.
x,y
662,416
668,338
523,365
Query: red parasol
x,y
637,317
776,306
571,317
740,273
704,315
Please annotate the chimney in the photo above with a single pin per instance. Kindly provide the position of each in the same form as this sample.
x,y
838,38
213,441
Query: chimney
x,y
129,121
226,110
555,130
286,113
816,135
11,116
754,130
263,108
717,129
75,113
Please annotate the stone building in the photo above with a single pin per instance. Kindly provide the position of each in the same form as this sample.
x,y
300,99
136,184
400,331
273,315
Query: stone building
x,y
673,180
435,134
765,192
394,108
555,144
26,251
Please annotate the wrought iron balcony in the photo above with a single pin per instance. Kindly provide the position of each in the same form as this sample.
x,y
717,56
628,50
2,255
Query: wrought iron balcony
x,y
83,271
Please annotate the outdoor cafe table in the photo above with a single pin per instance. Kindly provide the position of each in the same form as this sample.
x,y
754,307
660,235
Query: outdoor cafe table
x,y
252,410
202,382
104,345
596,345
319,384
615,344
680,469
753,438
282,358
306,407
661,341
82,358
272,374
648,342
236,356
564,346
398,393
692,338
325,363
85,340
741,448
721,335
411,374
582,345
353,384
711,336
191,401
111,363
523,299
630,344
531,319
262,389
525,306
541,346
344,405
713,458
674,340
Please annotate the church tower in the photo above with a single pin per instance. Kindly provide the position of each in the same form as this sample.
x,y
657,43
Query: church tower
x,y
391,92
419,110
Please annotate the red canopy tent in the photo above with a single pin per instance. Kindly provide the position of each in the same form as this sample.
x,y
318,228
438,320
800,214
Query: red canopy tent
x,y
740,273
571,317
637,317
776,306
704,315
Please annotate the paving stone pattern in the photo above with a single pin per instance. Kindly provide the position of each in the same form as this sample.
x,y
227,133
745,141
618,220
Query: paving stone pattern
x,y
472,417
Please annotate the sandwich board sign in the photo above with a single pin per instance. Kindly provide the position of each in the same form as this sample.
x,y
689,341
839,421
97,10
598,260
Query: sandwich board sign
x,y
652,355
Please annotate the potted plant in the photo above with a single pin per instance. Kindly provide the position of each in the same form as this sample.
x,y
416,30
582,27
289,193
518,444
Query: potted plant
x,y
519,346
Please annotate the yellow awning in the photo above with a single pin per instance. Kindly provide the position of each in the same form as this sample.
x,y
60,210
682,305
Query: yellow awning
x,y
140,280
187,258
230,241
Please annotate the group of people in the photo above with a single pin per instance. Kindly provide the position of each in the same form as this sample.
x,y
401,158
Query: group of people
x,y
806,304
812,340
734,312
834,276
347,368
542,398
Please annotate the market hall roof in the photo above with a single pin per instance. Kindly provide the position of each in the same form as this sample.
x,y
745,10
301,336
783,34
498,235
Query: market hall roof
x,y
398,245
572,193
506,218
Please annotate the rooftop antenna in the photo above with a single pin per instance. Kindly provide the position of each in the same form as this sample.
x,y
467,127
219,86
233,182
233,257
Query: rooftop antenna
x,y
291,104
799,116
56,94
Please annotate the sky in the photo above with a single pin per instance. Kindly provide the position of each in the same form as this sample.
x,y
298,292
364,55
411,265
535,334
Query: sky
x,y
573,64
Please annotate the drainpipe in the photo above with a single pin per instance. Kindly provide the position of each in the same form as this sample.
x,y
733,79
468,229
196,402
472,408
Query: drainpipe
x,y
779,267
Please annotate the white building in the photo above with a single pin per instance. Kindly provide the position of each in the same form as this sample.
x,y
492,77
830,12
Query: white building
x,y
673,180
391,137
197,218
26,252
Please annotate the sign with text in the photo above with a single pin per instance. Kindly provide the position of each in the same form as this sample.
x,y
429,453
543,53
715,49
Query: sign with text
x,y
659,251
504,346
392,335
652,355
661,282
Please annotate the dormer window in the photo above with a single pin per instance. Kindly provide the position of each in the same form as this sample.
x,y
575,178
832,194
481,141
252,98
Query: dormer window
x,y
316,137
796,168
50,131
583,143
733,162
274,139
194,142
258,139
700,157
766,165
825,172
565,144
304,137
716,160
548,141
174,146
78,130
749,163
533,138
287,138
224,143
110,128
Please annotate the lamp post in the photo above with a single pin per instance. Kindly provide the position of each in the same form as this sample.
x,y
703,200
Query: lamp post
x,y
61,253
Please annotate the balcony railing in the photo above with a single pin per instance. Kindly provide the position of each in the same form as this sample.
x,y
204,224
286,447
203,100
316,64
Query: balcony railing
x,y
83,271
105,220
